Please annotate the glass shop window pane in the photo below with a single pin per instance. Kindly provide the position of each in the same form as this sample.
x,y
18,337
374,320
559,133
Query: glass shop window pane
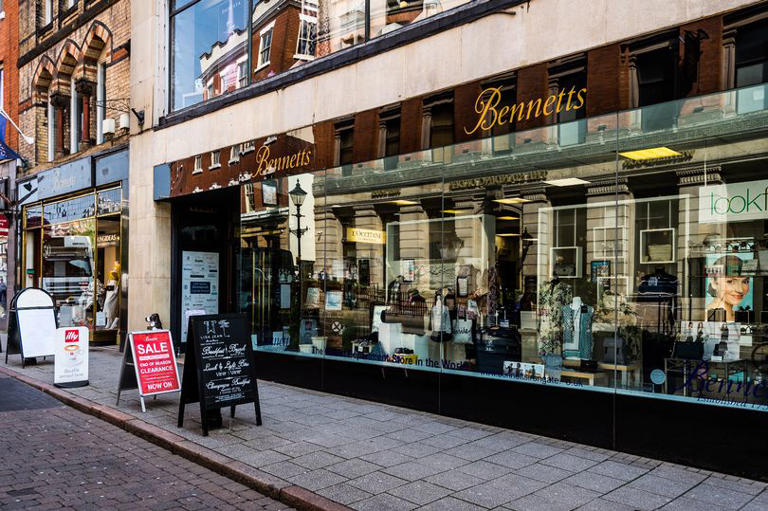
x,y
209,43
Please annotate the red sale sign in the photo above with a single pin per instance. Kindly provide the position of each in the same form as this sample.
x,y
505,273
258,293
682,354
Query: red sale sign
x,y
155,362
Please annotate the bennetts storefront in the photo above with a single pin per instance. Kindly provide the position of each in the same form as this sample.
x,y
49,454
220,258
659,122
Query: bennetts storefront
x,y
74,241
600,279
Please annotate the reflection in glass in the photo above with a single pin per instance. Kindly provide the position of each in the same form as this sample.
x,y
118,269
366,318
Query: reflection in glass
x,y
209,50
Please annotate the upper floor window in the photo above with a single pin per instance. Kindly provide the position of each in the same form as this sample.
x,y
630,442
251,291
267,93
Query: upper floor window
x,y
198,164
47,12
67,5
344,138
214,37
215,160
752,54
307,36
234,154
208,39
265,45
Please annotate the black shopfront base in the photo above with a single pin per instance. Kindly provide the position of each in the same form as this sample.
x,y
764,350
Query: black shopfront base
x,y
730,440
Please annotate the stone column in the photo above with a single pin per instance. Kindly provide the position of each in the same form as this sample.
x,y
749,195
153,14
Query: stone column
x,y
611,231
59,102
85,90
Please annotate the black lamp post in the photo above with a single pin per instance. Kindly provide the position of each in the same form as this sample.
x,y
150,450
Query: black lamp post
x,y
297,197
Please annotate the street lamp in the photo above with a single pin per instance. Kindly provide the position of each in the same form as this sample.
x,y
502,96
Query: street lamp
x,y
297,197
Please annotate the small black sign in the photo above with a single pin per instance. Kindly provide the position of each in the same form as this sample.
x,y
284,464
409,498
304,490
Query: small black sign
x,y
218,366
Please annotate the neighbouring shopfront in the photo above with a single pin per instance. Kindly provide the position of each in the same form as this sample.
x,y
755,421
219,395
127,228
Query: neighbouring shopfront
x,y
74,241
601,279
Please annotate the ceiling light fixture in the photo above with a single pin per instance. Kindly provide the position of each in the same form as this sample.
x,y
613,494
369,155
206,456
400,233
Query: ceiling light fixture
x,y
511,200
568,181
507,234
507,218
650,154
403,202
456,211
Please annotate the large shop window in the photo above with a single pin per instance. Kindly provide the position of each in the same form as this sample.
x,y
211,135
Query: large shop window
x,y
627,261
211,45
72,250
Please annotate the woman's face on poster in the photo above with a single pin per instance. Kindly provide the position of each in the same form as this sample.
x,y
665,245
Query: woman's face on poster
x,y
731,290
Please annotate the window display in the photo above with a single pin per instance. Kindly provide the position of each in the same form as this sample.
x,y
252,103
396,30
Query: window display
x,y
643,275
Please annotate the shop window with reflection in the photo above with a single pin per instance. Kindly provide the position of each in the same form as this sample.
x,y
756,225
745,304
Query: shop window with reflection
x,y
751,65
209,44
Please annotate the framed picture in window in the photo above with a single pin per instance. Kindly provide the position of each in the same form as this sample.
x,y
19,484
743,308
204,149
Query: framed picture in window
x,y
269,192
462,286
408,270
600,269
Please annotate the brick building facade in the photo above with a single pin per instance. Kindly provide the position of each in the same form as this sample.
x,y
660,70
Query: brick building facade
x,y
66,56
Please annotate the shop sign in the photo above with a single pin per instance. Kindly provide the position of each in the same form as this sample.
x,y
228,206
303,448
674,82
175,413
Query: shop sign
x,y
70,368
490,114
505,179
155,362
70,177
355,235
266,164
3,225
199,285
112,168
735,202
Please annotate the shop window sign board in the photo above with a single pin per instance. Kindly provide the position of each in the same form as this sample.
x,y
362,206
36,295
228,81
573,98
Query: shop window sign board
x,y
32,325
218,367
149,365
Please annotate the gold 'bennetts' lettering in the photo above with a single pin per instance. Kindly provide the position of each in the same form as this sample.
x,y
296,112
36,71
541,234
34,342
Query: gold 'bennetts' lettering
x,y
267,165
490,114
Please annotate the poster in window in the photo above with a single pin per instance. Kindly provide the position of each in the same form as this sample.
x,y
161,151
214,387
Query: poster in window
x,y
199,285
313,298
600,269
333,300
408,270
727,286
269,192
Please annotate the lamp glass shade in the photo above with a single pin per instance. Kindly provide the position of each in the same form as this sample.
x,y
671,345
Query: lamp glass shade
x,y
297,194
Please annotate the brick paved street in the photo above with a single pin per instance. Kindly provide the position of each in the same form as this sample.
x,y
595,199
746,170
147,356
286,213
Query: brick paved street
x,y
371,456
54,457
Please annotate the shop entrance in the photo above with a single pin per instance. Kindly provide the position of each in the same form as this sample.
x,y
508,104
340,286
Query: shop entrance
x,y
205,256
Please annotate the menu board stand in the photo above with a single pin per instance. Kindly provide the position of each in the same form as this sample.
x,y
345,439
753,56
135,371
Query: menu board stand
x,y
31,325
218,368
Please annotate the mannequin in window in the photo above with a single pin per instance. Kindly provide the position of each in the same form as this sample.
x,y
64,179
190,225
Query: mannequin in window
x,y
577,329
553,296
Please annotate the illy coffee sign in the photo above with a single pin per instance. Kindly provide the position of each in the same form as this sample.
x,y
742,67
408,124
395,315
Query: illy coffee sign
x,y
71,357
736,202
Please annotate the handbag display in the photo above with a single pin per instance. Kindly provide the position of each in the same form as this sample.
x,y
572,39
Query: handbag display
x,y
463,331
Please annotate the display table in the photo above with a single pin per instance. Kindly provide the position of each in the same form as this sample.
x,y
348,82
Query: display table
x,y
581,375
626,370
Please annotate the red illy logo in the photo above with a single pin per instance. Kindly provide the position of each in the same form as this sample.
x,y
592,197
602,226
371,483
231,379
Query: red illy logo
x,y
71,336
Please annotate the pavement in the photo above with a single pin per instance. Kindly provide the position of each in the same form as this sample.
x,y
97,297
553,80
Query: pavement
x,y
323,451
55,457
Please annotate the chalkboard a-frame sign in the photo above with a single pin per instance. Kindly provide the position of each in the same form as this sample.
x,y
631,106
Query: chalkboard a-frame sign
x,y
218,367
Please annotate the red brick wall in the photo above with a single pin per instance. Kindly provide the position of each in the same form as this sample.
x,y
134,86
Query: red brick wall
x,y
324,145
604,72
708,78
366,137
464,115
532,85
9,53
410,125
285,36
